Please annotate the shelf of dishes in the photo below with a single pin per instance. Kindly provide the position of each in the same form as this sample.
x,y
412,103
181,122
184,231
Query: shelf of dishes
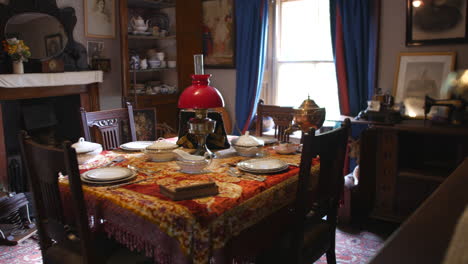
x,y
150,36
152,88
151,3
154,61
152,69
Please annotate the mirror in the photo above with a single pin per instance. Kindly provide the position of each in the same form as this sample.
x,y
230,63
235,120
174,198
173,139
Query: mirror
x,y
43,33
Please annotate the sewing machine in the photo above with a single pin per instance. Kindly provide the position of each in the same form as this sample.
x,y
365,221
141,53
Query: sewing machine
x,y
457,108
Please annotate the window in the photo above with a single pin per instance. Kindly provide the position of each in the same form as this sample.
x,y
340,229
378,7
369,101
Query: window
x,y
301,58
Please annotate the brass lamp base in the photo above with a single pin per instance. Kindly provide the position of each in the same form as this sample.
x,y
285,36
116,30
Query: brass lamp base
x,y
200,126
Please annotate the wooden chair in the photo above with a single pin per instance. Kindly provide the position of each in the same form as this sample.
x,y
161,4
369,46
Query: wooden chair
x,y
110,126
60,240
282,116
309,236
56,238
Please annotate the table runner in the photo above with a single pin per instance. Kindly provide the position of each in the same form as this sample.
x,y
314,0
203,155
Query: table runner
x,y
200,226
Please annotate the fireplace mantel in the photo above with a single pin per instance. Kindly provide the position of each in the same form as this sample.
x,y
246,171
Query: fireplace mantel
x,y
41,85
38,85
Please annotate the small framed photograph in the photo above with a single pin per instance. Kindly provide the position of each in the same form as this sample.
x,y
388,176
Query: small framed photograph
x,y
418,75
95,50
99,18
53,44
436,22
218,34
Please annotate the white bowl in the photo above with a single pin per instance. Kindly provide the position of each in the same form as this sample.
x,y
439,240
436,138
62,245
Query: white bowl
x,y
154,63
286,148
160,155
85,157
193,166
247,151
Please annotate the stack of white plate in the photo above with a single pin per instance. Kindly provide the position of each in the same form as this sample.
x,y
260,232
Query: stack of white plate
x,y
266,165
108,175
136,145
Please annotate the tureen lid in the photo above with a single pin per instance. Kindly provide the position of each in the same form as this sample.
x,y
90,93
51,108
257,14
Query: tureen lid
x,y
161,143
308,104
83,146
248,141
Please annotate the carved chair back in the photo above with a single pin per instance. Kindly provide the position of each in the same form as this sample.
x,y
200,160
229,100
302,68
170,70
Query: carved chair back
x,y
282,117
110,126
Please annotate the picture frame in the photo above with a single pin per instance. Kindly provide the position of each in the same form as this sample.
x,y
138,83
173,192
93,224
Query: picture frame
x,y
95,50
99,16
219,33
53,44
101,64
418,75
436,22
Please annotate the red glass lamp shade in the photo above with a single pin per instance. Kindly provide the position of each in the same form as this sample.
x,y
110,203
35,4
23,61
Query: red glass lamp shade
x,y
200,95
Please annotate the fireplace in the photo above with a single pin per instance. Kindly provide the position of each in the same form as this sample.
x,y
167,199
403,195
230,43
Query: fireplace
x,y
47,107
49,121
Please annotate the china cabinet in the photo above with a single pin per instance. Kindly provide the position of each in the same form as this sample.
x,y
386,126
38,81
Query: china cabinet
x,y
158,41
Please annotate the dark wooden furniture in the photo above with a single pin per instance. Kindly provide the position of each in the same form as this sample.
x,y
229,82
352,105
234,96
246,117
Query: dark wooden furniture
x,y
88,97
282,116
309,235
402,164
110,125
63,238
180,45
425,236
43,164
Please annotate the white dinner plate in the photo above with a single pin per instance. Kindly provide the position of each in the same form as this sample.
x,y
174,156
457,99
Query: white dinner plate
x,y
86,180
268,140
107,174
265,165
136,145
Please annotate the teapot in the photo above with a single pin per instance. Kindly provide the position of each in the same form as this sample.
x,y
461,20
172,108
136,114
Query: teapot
x,y
139,24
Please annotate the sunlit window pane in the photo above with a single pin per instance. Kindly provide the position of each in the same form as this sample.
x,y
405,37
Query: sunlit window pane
x,y
298,80
305,31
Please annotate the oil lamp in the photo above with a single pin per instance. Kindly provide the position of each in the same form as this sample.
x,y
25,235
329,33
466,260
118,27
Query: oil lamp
x,y
200,97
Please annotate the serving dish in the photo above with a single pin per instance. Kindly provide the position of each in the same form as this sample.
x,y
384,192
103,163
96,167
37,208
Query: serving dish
x,y
136,145
86,151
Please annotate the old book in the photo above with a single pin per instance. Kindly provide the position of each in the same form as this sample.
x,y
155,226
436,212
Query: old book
x,y
198,190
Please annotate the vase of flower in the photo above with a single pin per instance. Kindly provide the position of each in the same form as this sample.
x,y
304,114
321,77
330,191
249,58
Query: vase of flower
x,y
18,67
18,52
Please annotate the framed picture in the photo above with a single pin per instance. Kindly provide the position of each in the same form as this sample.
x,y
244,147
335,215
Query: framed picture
x,y
418,75
99,18
101,64
436,22
53,44
95,50
218,33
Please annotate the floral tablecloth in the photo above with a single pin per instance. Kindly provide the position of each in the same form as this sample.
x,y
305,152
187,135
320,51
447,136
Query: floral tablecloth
x,y
136,214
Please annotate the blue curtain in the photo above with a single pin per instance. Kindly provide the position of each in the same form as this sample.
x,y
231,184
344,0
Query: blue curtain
x,y
251,39
359,22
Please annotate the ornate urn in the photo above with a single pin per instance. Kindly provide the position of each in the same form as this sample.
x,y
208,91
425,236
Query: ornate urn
x,y
309,115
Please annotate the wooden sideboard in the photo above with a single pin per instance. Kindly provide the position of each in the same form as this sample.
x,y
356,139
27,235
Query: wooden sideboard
x,y
30,86
402,164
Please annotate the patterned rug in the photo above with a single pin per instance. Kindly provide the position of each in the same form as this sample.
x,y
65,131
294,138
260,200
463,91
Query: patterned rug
x,y
352,246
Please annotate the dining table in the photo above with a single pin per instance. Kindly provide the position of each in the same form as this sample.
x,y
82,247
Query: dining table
x,y
197,230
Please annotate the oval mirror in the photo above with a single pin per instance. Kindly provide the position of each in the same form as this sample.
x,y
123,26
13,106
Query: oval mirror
x,y
43,34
